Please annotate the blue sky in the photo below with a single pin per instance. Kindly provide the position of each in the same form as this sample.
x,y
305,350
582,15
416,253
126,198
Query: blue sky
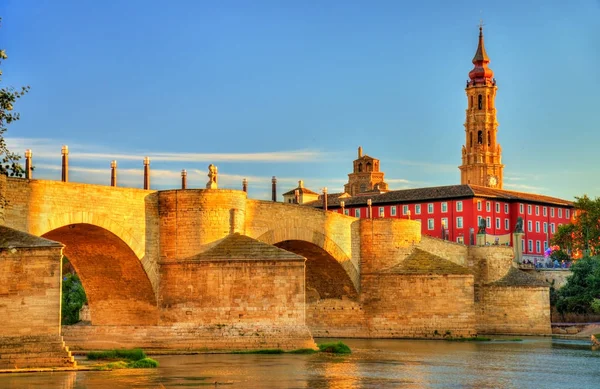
x,y
292,88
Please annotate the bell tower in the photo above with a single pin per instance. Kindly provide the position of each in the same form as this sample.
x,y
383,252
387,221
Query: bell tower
x,y
481,153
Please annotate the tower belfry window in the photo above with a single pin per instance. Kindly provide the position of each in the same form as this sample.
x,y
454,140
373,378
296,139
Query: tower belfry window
x,y
488,139
369,166
471,139
480,102
360,167
480,137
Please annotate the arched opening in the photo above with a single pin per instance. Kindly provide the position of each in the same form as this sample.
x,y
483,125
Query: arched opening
x,y
369,166
480,102
488,105
471,103
471,139
480,137
325,277
118,289
360,167
488,139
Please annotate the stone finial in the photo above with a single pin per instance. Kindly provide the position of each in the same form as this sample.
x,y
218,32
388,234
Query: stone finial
x,y
300,184
65,163
274,188
360,152
184,179
146,172
245,185
28,166
113,173
212,177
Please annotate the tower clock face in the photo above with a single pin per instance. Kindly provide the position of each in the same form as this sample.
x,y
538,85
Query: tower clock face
x,y
492,180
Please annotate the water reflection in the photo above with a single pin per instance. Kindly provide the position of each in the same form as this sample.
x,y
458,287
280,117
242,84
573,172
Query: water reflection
x,y
532,363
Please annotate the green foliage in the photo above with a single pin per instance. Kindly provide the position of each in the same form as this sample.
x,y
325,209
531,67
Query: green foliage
x,y
584,233
9,161
334,348
595,305
582,287
131,355
73,298
146,363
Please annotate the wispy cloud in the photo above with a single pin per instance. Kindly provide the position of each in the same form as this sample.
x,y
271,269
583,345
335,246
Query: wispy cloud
x,y
47,148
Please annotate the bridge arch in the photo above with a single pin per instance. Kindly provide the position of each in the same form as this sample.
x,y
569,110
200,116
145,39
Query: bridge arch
x,y
281,236
118,288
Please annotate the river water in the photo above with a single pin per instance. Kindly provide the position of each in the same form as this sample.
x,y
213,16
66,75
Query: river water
x,y
531,363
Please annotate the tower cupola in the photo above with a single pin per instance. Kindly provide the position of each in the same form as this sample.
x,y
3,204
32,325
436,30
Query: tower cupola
x,y
481,74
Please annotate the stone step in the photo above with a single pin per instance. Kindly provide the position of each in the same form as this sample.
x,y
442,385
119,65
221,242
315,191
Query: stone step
x,y
26,355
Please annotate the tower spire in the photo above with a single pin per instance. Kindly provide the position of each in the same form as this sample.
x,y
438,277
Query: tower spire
x,y
481,74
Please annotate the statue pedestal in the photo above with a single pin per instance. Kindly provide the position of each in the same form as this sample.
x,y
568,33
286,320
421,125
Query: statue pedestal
x,y
518,246
481,239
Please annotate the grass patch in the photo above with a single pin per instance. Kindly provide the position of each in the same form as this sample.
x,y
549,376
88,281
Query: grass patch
x,y
303,351
597,336
145,363
265,351
130,355
334,348
473,339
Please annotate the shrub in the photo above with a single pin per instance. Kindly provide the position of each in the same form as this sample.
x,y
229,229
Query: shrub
x,y
73,298
145,363
131,355
334,348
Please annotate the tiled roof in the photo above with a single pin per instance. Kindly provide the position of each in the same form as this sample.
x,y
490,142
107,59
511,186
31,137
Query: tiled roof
x,y
437,193
423,262
11,238
301,190
516,277
241,247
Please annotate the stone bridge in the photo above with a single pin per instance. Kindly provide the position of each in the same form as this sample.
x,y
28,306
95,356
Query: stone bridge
x,y
132,249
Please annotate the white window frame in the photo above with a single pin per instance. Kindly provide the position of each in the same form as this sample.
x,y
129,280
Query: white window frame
x,y
431,224
506,224
381,212
488,222
417,209
521,208
405,209
444,207
538,246
498,223
545,227
357,212
530,246
529,226
459,222
551,211
497,207
537,210
559,212
393,210
506,209
545,211
488,206
347,212
529,209
552,228
479,220
567,214
537,226
459,206
479,205
430,208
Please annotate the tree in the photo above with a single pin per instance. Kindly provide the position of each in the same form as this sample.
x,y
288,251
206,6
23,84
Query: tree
x,y
73,298
582,289
584,232
9,161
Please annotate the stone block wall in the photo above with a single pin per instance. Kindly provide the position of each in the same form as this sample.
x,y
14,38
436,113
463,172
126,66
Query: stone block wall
x,y
403,305
454,252
220,292
489,263
514,311
386,242
191,221
341,318
30,287
559,276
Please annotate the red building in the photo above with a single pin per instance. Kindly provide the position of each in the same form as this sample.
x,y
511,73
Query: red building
x,y
453,212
